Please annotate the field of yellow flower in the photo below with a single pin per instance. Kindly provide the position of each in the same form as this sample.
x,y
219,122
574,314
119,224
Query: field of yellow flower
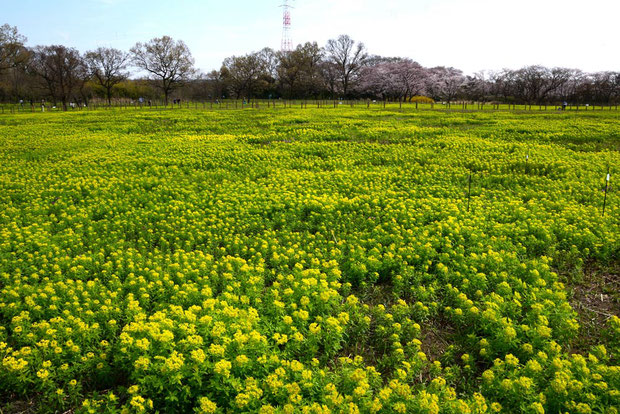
x,y
309,261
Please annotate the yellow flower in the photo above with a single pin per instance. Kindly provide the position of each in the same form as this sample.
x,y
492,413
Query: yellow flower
x,y
267,409
206,406
512,360
198,355
537,408
280,339
314,328
174,362
242,359
138,403
488,376
43,374
217,350
399,407
242,400
223,368
142,363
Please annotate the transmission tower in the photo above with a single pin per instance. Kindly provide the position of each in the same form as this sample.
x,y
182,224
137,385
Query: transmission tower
x,y
287,42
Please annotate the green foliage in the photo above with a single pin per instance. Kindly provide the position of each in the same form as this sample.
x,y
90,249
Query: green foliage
x,y
303,261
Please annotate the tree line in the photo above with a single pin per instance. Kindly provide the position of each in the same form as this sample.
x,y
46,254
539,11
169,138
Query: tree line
x,y
163,68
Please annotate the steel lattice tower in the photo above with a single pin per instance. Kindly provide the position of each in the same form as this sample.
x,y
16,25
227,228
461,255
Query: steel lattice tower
x,y
287,42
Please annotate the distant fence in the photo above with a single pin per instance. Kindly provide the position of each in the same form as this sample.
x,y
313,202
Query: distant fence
x,y
232,104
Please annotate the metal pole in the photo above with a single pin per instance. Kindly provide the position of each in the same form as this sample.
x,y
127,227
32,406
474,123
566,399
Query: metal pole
x,y
606,188
469,192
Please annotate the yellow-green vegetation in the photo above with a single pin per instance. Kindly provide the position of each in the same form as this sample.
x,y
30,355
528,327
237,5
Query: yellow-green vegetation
x,y
311,261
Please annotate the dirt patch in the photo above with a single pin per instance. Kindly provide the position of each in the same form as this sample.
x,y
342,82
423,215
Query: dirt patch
x,y
14,405
595,298
436,338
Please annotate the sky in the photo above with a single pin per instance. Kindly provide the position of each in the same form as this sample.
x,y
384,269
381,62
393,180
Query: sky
x,y
471,35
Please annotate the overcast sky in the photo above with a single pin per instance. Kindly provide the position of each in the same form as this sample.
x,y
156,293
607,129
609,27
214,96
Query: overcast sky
x,y
467,34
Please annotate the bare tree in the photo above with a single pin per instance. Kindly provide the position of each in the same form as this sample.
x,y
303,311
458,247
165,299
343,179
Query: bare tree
x,y
298,70
12,50
348,57
244,74
476,88
216,84
168,62
62,70
329,73
108,67
14,59
568,90
268,77
502,84
289,72
536,84
605,86
311,56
